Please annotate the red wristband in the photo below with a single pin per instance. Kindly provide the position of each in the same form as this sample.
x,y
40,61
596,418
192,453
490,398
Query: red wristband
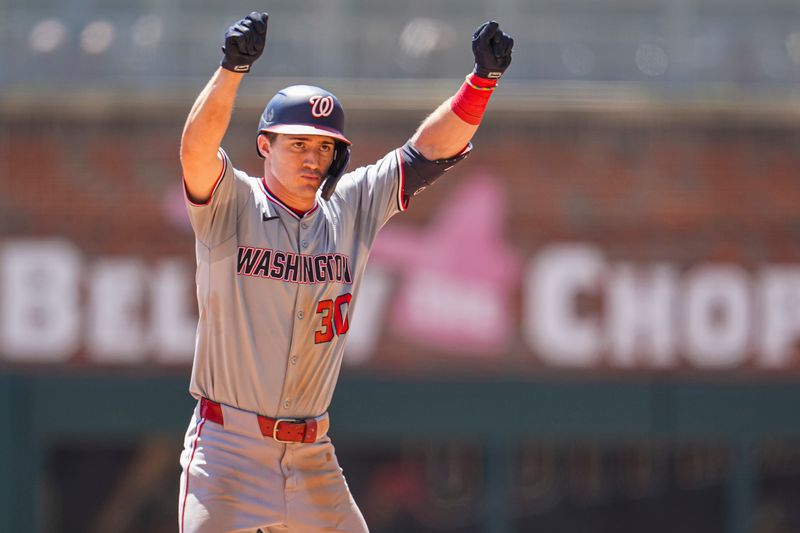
x,y
471,100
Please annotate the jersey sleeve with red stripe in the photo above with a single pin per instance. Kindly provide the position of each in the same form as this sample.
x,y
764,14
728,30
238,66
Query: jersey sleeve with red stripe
x,y
223,207
369,196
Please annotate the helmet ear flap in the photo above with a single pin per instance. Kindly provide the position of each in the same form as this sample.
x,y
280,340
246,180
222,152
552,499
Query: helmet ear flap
x,y
341,158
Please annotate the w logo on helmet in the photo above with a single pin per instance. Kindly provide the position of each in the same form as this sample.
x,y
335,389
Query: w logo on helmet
x,y
321,106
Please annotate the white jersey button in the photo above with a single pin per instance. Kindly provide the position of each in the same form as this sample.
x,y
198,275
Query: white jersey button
x,y
304,225
300,315
294,359
304,244
286,404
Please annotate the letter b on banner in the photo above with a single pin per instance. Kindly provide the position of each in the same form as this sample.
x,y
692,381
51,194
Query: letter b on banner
x,y
40,300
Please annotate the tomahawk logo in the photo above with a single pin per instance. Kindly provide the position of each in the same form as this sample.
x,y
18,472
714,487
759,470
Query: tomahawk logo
x,y
321,106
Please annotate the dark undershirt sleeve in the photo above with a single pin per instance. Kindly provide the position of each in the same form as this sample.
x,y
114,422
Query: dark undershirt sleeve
x,y
420,173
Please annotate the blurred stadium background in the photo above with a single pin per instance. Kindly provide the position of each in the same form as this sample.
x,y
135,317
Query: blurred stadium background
x,y
592,325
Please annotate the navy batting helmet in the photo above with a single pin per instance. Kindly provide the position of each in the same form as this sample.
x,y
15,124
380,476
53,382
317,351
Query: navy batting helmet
x,y
304,109
309,110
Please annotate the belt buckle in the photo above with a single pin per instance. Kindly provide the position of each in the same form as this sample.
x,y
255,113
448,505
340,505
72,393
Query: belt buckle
x,y
275,429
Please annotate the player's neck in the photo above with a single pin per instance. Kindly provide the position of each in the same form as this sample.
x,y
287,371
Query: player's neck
x,y
299,206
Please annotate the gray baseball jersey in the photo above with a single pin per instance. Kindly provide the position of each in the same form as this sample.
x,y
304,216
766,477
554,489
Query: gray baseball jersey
x,y
276,291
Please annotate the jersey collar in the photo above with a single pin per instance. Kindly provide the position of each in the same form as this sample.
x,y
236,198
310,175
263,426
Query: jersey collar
x,y
274,199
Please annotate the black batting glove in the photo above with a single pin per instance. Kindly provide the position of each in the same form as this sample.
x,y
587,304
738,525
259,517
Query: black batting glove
x,y
492,50
244,42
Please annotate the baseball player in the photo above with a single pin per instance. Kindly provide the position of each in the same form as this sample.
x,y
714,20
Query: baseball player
x,y
280,259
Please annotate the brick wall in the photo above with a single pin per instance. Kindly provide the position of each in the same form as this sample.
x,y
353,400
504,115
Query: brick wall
x,y
682,191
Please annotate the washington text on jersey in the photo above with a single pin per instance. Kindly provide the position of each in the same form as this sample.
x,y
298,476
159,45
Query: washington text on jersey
x,y
293,267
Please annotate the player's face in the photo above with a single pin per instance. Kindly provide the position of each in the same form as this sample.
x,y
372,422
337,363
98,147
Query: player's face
x,y
294,166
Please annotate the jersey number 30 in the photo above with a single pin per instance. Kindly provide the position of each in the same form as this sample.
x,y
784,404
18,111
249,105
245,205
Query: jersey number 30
x,y
334,318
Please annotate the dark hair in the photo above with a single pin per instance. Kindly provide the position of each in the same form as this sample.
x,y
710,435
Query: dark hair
x,y
271,136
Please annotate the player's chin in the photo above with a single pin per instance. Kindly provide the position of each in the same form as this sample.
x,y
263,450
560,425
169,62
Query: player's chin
x,y
308,189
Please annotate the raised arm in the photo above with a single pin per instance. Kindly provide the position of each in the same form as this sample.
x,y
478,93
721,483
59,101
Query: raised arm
x,y
448,130
211,113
